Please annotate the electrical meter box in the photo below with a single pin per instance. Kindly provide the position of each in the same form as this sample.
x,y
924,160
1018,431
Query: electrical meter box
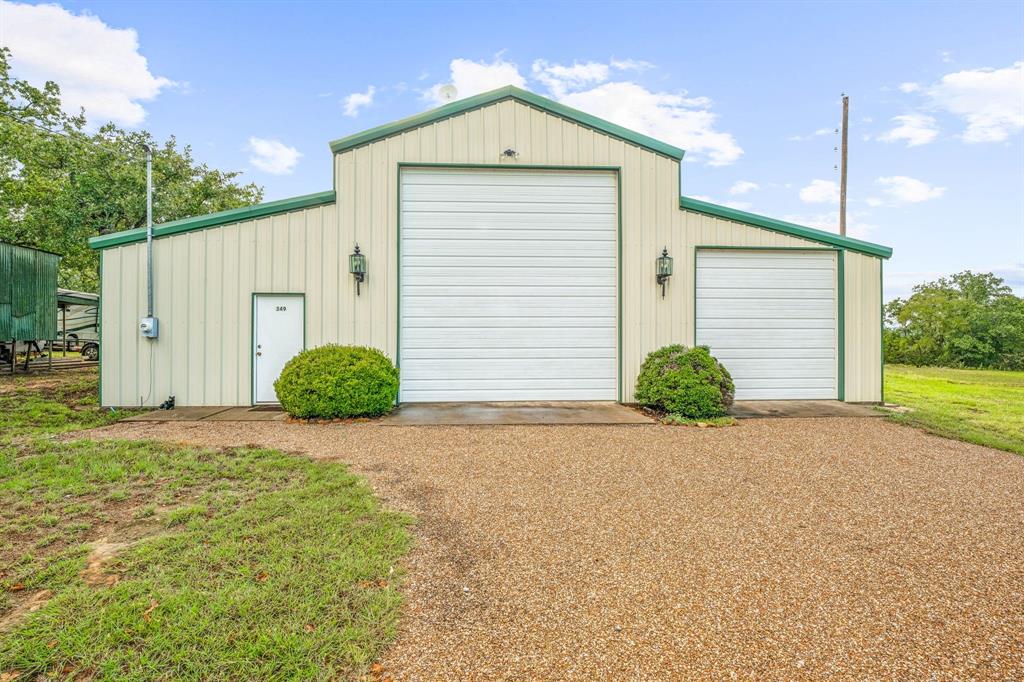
x,y
149,327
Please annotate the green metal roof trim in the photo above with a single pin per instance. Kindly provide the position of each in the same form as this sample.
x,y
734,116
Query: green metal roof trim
x,y
481,100
235,215
782,226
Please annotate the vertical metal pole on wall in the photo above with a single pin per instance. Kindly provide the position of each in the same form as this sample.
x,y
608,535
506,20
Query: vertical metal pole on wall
x,y
64,329
14,355
149,231
49,355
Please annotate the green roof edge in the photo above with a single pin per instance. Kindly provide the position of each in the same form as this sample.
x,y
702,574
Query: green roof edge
x,y
235,215
782,226
508,92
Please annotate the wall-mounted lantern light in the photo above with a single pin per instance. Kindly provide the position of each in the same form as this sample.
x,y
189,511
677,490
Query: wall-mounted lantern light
x,y
663,269
357,266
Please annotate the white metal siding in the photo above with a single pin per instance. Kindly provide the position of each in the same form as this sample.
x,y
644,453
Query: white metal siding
x,y
508,285
770,318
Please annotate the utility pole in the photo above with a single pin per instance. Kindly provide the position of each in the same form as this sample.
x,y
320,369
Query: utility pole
x,y
842,172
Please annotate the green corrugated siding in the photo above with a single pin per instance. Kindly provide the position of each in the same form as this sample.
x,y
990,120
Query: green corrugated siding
x,y
28,293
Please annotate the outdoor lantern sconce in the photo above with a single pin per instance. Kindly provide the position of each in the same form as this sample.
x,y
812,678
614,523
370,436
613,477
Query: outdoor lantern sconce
x,y
357,266
664,269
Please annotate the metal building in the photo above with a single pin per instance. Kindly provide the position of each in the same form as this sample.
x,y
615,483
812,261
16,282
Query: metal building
x,y
28,293
512,250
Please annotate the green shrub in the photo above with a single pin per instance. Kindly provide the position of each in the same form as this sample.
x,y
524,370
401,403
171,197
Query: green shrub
x,y
685,381
338,381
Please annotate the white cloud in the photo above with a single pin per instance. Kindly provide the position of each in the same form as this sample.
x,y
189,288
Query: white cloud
x,y
560,79
829,222
675,118
991,101
358,100
910,87
98,67
637,65
738,205
817,133
743,187
820,192
1013,274
916,129
272,156
471,78
901,189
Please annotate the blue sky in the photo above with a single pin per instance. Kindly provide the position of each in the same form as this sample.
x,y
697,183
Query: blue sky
x,y
751,90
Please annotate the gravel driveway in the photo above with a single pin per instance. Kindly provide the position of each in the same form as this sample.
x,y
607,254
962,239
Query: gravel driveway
x,y
779,548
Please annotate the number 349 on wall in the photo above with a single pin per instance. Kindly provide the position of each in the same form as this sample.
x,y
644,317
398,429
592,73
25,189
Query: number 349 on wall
x,y
280,308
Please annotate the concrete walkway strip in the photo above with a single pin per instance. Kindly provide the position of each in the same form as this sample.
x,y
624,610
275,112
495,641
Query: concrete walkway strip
x,y
178,414
501,413
744,409
513,413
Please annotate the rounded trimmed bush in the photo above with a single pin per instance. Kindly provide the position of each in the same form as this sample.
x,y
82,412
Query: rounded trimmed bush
x,y
685,381
334,381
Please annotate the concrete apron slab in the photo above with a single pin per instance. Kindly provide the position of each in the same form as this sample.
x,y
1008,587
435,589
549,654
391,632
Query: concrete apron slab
x,y
514,413
178,414
260,413
745,409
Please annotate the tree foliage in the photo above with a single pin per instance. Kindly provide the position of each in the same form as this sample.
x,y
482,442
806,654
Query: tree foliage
x,y
966,320
61,183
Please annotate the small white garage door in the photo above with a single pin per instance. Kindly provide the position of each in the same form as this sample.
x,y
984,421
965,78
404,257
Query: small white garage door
x,y
508,285
770,318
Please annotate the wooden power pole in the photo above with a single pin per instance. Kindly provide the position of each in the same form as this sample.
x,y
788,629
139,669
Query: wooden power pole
x,y
842,171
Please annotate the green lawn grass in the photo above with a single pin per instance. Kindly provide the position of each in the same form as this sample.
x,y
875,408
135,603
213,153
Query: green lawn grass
x,y
978,406
239,564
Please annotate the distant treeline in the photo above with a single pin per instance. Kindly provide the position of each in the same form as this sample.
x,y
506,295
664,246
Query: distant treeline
x,y
965,320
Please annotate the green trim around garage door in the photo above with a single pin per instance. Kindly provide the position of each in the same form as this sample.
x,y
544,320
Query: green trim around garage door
x,y
252,334
235,215
881,333
403,165
484,99
99,331
841,315
840,299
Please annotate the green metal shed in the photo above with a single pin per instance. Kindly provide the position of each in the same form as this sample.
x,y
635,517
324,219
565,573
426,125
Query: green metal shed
x,y
28,293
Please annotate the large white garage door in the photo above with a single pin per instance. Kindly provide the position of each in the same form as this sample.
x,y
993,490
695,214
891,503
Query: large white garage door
x,y
508,285
770,318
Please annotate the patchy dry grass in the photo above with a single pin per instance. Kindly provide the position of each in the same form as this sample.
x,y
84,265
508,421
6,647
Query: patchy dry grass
x,y
134,560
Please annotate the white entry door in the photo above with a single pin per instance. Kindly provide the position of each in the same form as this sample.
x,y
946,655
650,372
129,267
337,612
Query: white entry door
x,y
279,321
771,318
508,285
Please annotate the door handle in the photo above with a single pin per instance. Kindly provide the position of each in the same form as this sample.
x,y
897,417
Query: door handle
x,y
258,353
